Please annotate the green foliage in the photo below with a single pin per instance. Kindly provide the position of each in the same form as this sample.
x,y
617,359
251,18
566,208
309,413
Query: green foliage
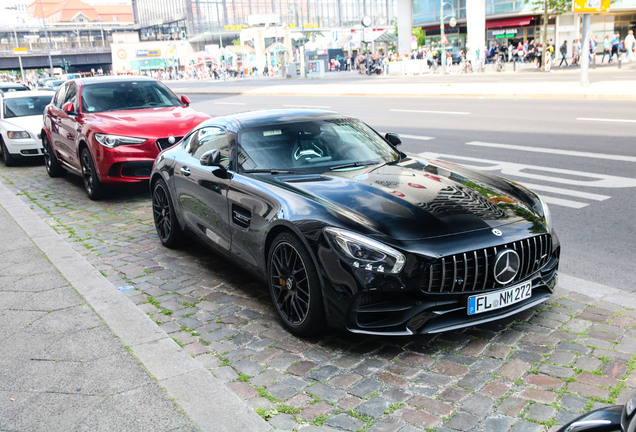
x,y
555,7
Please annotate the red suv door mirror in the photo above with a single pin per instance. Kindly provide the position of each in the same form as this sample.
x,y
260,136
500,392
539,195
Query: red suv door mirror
x,y
68,108
185,100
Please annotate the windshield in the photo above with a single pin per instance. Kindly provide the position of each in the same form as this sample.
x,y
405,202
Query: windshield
x,y
316,145
25,106
113,96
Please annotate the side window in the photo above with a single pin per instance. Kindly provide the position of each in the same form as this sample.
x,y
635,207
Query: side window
x,y
58,99
206,139
71,96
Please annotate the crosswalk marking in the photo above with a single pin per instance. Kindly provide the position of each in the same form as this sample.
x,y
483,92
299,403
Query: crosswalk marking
x,y
620,158
417,137
570,192
546,174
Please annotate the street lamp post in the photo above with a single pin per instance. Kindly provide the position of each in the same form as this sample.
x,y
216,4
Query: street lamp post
x,y
451,22
48,42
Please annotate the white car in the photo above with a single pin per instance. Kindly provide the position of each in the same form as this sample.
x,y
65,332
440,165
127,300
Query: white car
x,y
21,122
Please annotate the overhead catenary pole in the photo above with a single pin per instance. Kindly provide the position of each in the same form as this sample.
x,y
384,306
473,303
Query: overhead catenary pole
x,y
46,34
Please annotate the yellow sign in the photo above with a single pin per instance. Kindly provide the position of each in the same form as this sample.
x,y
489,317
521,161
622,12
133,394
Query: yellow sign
x,y
19,49
590,6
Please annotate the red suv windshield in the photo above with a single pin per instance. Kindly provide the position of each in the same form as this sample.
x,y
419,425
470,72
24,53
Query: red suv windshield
x,y
127,95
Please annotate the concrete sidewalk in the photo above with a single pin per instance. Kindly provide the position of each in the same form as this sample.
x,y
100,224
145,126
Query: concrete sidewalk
x,y
78,355
607,82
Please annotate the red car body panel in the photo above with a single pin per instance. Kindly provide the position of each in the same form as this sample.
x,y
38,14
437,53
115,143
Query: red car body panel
x,y
68,133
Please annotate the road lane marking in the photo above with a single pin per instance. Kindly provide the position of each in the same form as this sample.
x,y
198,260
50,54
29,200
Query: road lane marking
x,y
417,137
560,191
308,106
230,103
546,174
430,112
619,158
563,202
606,120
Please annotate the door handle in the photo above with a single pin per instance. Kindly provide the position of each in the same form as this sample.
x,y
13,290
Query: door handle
x,y
185,171
69,136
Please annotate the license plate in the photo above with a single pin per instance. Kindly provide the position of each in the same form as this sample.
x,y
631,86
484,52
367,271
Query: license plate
x,y
499,299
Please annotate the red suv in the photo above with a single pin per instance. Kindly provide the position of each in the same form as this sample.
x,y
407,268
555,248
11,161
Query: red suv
x,y
110,129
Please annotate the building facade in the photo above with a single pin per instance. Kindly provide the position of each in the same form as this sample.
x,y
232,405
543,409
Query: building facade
x,y
209,20
512,21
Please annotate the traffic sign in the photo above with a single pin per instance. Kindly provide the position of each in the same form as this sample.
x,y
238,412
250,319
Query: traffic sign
x,y
444,40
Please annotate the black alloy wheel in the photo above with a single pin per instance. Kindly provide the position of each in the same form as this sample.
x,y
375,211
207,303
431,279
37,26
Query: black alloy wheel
x,y
53,167
166,223
94,188
294,286
6,156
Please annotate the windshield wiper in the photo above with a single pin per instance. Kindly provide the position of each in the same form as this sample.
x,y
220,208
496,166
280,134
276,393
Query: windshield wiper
x,y
272,171
353,165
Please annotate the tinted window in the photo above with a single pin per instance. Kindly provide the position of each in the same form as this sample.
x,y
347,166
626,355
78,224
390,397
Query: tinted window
x,y
112,96
312,144
206,139
25,106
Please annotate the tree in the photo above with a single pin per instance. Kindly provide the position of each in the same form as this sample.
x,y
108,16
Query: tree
x,y
549,7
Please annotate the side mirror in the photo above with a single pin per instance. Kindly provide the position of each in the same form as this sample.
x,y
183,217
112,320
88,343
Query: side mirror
x,y
68,108
393,138
185,100
212,158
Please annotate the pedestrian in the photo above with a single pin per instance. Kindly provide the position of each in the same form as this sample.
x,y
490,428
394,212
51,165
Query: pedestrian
x,y
563,49
615,43
576,51
593,45
607,49
630,43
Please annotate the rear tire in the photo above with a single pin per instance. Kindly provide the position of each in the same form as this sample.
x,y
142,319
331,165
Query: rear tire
x,y
94,188
53,167
166,223
6,156
294,286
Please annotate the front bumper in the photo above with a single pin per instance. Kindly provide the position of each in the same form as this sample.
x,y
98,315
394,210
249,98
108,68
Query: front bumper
x,y
129,163
398,306
24,147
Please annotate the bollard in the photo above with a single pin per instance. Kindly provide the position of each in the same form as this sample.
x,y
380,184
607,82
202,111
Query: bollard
x,y
619,60
514,66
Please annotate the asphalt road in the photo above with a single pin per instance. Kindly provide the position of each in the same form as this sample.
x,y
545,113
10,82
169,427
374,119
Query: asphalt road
x,y
578,154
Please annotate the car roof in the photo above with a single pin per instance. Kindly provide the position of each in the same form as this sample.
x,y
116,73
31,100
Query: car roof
x,y
8,85
272,117
27,93
114,79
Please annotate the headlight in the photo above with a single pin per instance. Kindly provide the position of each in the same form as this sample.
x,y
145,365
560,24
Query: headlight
x,y
362,252
18,135
111,141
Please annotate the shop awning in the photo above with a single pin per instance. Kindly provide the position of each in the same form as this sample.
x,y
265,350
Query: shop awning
x,y
509,22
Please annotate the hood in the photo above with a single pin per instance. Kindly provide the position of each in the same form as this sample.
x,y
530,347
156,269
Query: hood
x,y
419,199
31,124
149,122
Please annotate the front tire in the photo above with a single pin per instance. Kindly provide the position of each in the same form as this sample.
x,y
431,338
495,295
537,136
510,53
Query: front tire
x,y
166,223
6,156
294,286
94,188
53,167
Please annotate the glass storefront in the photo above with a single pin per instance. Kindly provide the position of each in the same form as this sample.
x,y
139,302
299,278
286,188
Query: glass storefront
x,y
166,19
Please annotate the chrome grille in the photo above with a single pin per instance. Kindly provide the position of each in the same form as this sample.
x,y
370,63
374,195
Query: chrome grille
x,y
163,143
471,271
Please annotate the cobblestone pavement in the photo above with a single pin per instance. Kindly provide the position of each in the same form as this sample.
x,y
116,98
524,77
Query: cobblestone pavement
x,y
529,373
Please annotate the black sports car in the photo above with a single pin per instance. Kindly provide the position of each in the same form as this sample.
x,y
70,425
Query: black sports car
x,y
351,232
